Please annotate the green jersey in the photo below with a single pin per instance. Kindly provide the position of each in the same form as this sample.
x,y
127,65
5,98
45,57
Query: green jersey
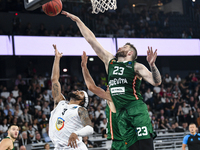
x,y
123,83
13,143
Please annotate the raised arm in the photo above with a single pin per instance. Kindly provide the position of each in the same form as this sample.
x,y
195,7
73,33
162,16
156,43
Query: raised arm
x,y
92,86
154,76
103,54
56,89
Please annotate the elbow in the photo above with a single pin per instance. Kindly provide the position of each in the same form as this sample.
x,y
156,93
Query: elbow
x,y
157,84
91,88
54,79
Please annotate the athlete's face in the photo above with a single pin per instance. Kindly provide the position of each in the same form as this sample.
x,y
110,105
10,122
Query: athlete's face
x,y
192,128
13,132
123,51
78,95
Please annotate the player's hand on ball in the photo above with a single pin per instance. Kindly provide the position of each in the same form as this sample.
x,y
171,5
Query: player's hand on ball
x,y
151,56
67,14
72,140
84,58
57,53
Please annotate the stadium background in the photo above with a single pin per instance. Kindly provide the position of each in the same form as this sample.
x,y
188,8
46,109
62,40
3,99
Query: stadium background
x,y
147,19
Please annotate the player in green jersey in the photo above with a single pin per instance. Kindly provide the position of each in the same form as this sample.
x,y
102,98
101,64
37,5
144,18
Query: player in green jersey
x,y
124,77
7,143
113,131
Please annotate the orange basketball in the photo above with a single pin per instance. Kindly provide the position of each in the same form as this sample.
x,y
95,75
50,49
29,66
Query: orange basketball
x,y
52,8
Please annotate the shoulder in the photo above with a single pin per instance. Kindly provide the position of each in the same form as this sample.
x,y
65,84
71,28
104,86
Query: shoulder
x,y
138,66
198,134
185,139
6,141
81,110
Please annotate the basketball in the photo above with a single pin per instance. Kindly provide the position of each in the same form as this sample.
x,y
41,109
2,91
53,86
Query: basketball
x,y
52,8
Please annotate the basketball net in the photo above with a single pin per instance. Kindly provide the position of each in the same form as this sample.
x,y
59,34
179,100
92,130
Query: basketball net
x,y
103,5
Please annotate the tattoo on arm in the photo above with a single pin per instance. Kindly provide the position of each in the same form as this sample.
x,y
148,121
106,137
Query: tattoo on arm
x,y
156,74
55,89
83,113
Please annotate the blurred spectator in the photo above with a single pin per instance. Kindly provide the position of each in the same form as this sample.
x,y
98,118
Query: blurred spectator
x,y
167,80
26,117
41,81
191,117
19,80
87,142
125,11
148,97
7,109
15,91
22,148
102,127
1,104
180,115
9,117
23,139
46,96
4,128
41,31
186,108
31,132
99,111
25,126
177,78
5,93
46,109
45,133
38,139
47,146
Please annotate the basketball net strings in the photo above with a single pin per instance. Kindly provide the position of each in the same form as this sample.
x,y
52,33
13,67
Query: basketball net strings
x,y
103,5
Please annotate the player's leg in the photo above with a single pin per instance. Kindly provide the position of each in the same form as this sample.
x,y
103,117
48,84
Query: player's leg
x,y
145,144
142,126
118,145
134,125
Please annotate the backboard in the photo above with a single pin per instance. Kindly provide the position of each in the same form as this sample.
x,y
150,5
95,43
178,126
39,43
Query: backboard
x,y
34,4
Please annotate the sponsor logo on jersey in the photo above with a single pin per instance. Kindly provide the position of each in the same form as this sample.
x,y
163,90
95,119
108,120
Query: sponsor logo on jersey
x,y
60,123
191,140
112,61
75,107
129,64
116,81
199,139
117,90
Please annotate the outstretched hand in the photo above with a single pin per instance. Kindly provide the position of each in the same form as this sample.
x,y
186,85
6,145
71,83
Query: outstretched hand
x,y
151,56
67,14
84,58
72,140
57,53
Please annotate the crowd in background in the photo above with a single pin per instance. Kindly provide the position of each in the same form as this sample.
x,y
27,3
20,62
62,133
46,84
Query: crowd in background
x,y
123,22
172,106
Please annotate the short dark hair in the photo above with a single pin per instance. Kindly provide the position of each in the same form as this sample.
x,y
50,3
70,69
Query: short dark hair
x,y
133,47
192,124
11,126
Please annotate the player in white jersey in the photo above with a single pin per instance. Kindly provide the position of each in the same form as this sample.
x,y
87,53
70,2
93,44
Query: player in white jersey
x,y
69,122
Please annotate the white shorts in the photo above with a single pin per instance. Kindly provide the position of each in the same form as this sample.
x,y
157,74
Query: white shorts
x,y
81,146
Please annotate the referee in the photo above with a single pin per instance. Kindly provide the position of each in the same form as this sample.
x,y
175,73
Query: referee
x,y
192,139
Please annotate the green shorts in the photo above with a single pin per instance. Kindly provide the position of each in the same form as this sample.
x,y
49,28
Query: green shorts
x,y
134,123
118,145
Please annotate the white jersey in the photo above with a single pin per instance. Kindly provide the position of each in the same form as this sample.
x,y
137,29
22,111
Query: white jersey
x,y
63,122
